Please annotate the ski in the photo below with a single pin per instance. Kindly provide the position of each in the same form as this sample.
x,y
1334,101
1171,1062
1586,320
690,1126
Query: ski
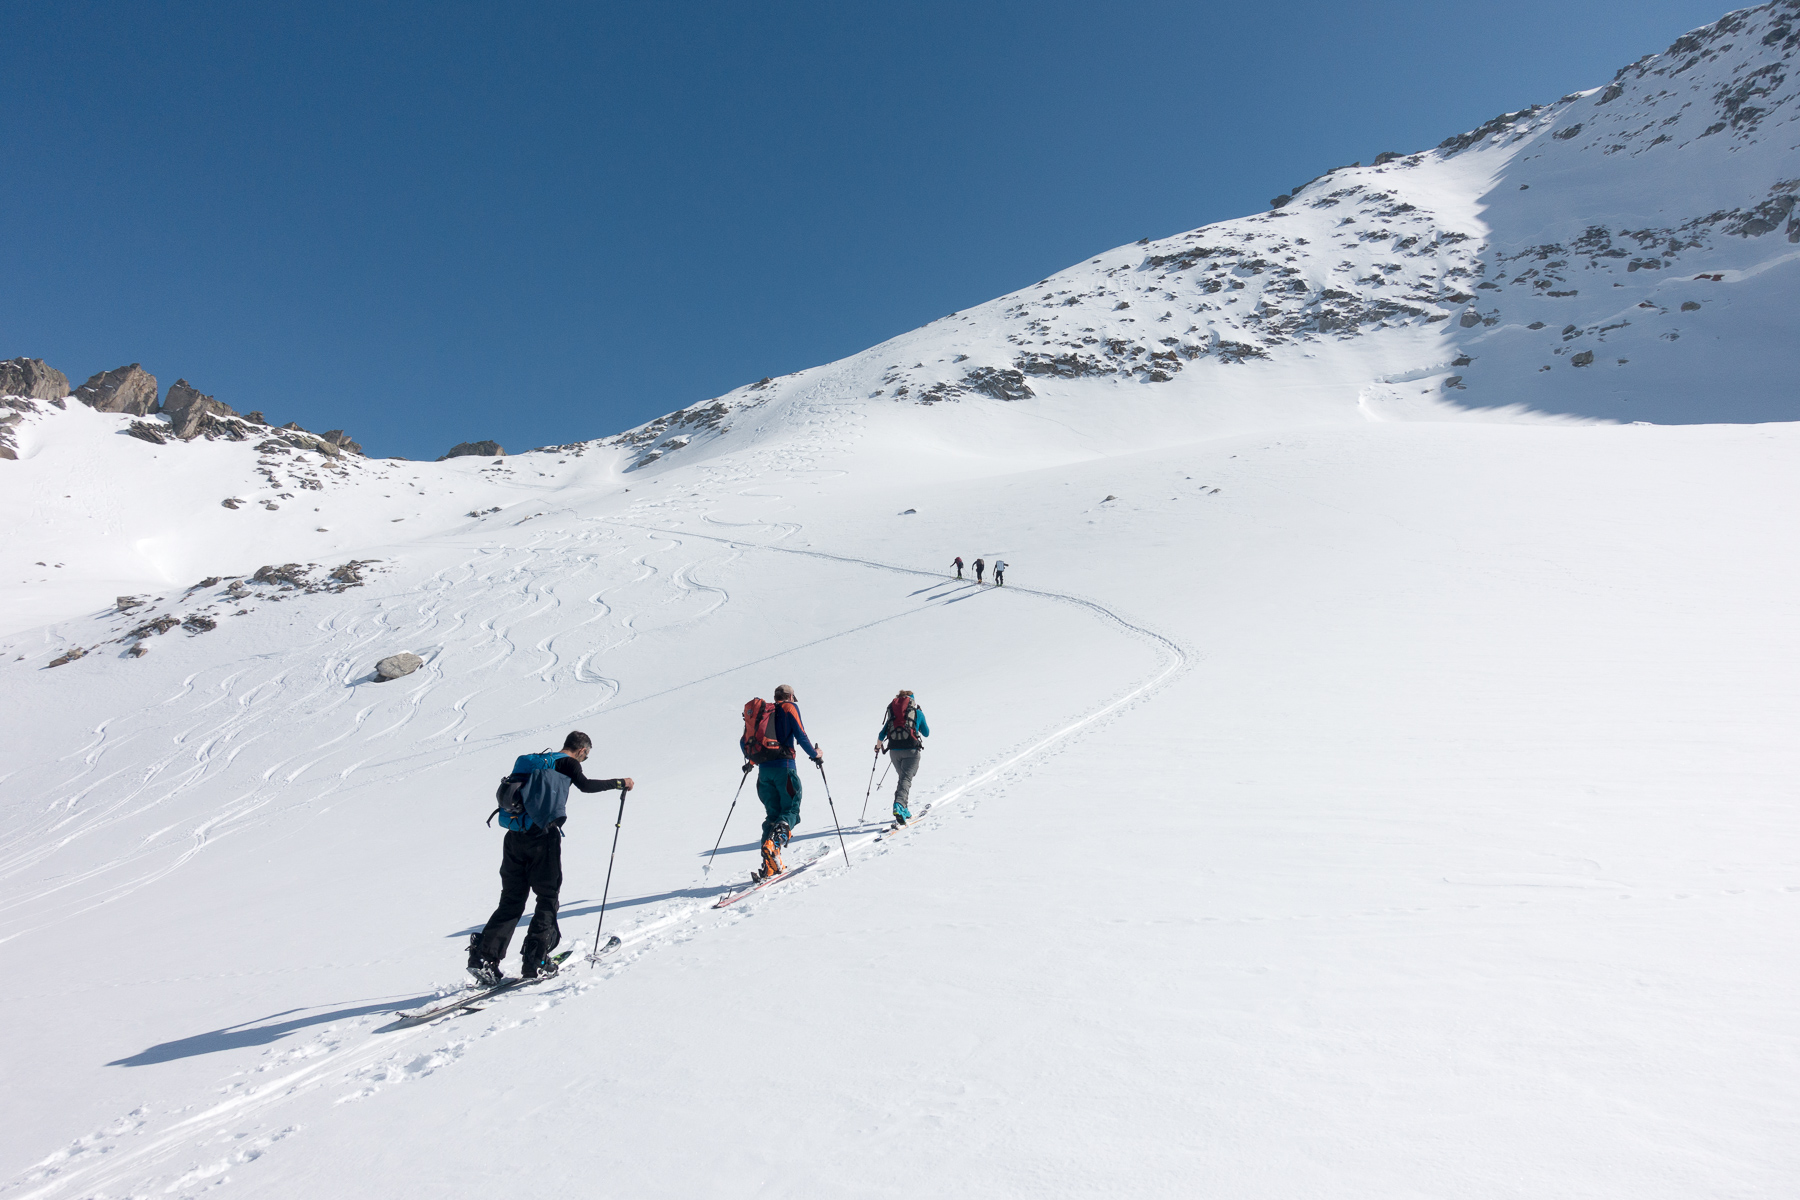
x,y
897,826
463,1003
734,897
613,942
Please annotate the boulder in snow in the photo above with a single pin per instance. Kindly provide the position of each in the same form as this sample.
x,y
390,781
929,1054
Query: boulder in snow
x,y
129,389
396,665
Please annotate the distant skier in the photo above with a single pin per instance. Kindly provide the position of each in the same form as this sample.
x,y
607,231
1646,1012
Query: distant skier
x,y
531,860
979,567
902,727
999,572
958,566
769,736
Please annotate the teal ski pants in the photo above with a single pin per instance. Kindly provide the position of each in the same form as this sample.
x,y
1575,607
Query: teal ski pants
x,y
779,792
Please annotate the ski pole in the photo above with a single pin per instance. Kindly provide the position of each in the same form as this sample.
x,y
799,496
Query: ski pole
x,y
871,788
607,890
728,812
820,763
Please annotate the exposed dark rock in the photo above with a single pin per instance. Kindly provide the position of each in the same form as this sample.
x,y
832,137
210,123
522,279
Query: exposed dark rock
x,y
192,414
229,501
1454,381
1063,366
138,650
349,575
127,603
1463,141
999,383
474,450
161,624
340,439
1469,319
129,389
145,431
396,665
1281,201
69,657
1566,134
1613,92
1583,359
286,575
33,379
195,623
1386,156
1690,306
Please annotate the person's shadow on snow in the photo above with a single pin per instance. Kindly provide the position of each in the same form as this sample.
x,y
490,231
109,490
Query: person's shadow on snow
x,y
255,1033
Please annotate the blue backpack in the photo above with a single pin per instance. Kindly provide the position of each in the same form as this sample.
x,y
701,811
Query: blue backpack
x,y
532,788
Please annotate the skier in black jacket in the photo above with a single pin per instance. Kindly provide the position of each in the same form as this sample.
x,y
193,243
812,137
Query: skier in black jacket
x,y
531,861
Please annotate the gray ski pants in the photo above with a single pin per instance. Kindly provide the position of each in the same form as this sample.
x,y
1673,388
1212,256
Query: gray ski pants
x,y
906,765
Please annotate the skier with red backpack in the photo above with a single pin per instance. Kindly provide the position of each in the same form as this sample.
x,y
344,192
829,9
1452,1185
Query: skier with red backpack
x,y
770,733
902,729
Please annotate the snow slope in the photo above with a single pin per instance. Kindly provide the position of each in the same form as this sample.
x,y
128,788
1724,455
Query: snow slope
x,y
1363,786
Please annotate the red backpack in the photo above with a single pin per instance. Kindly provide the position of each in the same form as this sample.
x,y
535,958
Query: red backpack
x,y
903,722
759,745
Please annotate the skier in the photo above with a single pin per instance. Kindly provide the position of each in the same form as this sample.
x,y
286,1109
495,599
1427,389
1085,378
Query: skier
x,y
778,778
999,572
531,860
979,567
958,565
902,727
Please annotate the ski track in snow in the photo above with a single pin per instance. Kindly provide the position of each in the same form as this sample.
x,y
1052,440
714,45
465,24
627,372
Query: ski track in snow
x,y
200,1149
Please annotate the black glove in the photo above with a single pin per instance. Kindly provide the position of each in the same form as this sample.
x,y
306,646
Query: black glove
x,y
747,767
818,760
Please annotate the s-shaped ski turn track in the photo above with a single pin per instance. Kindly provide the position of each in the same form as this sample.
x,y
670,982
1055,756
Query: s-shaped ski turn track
x,y
126,1156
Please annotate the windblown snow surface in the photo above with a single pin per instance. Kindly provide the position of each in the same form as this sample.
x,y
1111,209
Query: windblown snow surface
x,y
1376,779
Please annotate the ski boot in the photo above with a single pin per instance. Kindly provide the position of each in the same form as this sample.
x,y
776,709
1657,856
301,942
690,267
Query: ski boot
x,y
772,843
485,970
902,814
535,960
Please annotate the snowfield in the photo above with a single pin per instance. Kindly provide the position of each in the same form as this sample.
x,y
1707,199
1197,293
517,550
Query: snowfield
x,y
1366,784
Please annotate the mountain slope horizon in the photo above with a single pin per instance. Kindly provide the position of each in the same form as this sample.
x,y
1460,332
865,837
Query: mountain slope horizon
x,y
1372,779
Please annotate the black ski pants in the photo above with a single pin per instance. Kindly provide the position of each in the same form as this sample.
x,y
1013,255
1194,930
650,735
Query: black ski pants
x,y
529,862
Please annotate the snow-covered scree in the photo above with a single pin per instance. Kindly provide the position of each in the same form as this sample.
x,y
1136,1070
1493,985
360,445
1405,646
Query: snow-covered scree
x,y
1360,787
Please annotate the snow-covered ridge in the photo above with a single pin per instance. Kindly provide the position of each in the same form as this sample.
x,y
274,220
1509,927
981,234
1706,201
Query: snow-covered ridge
x,y
1625,253
1612,217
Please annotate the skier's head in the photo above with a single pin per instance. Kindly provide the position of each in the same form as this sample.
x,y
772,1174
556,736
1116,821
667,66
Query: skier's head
x,y
902,692
784,692
577,744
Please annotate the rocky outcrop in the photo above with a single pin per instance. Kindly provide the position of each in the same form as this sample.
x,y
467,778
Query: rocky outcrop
x,y
341,440
121,390
396,665
32,378
475,450
191,414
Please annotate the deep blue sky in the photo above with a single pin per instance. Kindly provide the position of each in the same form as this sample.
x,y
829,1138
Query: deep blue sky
x,y
426,223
